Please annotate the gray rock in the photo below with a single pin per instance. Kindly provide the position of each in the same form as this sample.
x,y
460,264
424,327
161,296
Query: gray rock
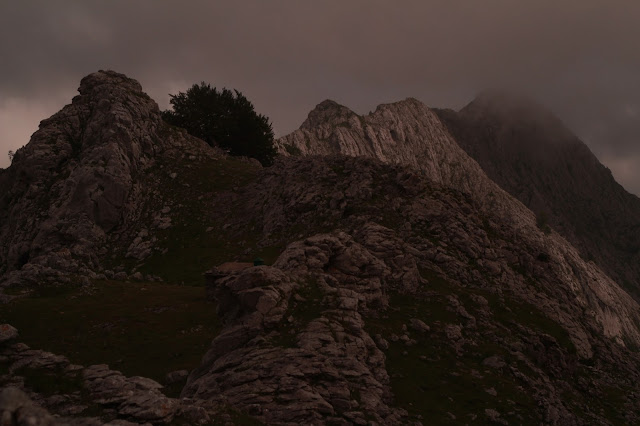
x,y
120,276
494,416
78,178
419,325
453,332
176,377
329,355
494,362
7,332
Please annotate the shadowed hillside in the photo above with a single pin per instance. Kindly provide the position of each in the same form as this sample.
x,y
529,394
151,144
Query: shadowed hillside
x,y
534,157
400,286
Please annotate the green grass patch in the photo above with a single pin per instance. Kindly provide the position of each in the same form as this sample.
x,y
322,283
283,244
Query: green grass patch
x,y
146,329
530,316
303,311
50,382
507,312
188,249
430,380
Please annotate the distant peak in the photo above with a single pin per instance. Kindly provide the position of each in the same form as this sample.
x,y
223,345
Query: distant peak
x,y
94,80
326,111
515,109
410,101
328,103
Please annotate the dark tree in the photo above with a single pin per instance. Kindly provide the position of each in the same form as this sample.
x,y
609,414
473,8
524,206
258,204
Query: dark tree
x,y
225,119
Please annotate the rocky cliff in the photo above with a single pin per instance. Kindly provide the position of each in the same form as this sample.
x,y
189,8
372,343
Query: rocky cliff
x,y
411,134
533,156
403,285
405,132
400,252
77,183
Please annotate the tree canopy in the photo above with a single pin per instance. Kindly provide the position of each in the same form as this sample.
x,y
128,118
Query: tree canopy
x,y
223,118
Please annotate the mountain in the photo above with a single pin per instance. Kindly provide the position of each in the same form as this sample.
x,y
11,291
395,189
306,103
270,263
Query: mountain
x,y
78,184
405,132
401,285
533,156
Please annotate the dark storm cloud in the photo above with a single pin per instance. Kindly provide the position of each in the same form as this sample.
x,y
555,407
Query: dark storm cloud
x,y
577,57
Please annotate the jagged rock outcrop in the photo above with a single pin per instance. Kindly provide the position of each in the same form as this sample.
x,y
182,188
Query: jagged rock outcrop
x,y
411,134
295,350
78,180
532,155
413,205
407,133
408,287
36,383
404,132
516,289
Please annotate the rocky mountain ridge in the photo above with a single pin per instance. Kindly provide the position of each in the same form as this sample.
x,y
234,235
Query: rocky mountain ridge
x,y
403,286
533,156
78,180
410,133
405,132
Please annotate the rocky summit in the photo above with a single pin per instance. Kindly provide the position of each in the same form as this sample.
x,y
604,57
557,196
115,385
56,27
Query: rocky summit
x,y
77,182
397,282
533,156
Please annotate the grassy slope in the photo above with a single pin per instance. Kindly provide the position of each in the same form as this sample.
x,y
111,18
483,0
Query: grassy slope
x,y
430,381
146,329
202,198
150,329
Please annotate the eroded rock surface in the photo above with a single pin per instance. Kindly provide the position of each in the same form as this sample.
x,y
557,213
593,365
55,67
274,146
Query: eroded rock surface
x,y
407,133
295,350
408,287
310,350
78,180
531,154
41,388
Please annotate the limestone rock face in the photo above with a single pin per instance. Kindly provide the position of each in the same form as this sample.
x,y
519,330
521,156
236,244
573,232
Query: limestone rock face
x,y
295,350
411,134
78,179
403,283
406,132
398,239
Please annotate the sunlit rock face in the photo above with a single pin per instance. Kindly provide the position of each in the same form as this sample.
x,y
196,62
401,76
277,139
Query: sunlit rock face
x,y
411,134
405,132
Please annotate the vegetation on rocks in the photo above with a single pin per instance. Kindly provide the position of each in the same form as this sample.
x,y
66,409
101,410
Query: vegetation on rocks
x,y
406,287
225,119
147,329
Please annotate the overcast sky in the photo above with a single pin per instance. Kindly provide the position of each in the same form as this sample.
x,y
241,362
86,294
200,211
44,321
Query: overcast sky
x,y
580,58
